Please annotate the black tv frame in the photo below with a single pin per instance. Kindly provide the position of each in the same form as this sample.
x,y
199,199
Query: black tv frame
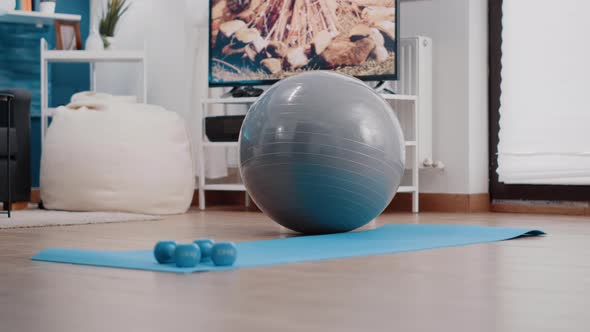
x,y
386,77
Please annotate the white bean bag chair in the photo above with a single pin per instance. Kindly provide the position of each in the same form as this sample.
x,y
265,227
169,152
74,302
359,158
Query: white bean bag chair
x,y
117,157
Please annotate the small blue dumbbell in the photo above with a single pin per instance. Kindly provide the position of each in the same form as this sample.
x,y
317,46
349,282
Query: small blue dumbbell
x,y
187,255
224,253
206,246
164,251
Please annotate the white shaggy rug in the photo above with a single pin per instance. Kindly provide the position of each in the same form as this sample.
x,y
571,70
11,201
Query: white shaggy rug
x,y
34,217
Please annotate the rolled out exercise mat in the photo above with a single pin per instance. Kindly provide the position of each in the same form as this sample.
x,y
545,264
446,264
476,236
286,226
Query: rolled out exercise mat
x,y
387,239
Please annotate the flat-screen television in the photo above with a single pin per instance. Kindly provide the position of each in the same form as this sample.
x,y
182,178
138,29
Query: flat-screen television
x,y
258,42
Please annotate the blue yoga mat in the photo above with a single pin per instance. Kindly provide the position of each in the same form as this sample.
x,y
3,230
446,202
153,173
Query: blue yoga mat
x,y
383,240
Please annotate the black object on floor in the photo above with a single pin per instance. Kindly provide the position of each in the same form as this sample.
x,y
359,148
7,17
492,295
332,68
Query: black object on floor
x,y
15,156
6,100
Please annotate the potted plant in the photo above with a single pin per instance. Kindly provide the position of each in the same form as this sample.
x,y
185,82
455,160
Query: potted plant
x,y
47,6
110,18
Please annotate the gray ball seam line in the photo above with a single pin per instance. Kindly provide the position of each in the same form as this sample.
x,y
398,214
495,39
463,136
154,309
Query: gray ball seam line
x,y
345,208
313,154
380,196
360,186
332,167
268,185
332,177
327,135
329,146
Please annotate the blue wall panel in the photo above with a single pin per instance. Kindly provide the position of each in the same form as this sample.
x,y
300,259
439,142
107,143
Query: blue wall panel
x,y
19,59
69,78
20,68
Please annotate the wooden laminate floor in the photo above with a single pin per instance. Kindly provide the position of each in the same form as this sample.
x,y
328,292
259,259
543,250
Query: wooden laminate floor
x,y
530,284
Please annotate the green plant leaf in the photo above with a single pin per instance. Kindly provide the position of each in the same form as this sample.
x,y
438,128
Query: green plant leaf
x,y
115,9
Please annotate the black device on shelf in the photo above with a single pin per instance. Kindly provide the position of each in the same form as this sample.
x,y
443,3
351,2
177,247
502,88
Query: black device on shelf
x,y
223,128
245,91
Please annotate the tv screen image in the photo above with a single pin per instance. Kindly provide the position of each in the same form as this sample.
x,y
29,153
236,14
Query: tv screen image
x,y
262,41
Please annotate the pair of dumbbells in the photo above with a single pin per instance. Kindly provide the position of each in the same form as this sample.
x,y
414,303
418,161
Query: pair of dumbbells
x,y
191,254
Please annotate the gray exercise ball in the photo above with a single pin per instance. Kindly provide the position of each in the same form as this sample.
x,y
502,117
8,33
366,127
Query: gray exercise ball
x,y
321,152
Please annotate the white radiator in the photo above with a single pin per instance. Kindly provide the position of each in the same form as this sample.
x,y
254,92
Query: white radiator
x,y
415,78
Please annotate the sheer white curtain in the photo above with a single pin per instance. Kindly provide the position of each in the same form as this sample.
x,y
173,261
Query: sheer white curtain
x,y
545,109
217,160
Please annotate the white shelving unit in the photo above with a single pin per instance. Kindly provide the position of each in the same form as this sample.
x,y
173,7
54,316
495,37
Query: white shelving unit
x,y
93,56
37,18
203,143
90,57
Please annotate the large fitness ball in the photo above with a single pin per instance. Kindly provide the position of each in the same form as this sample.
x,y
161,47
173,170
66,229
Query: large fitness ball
x,y
321,152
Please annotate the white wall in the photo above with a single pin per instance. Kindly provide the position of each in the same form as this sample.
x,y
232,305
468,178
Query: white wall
x,y
478,96
160,26
459,32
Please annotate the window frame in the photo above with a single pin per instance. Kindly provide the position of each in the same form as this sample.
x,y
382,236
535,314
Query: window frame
x,y
497,189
